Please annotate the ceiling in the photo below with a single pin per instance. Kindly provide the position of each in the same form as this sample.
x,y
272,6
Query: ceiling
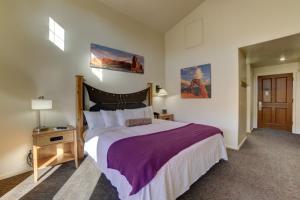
x,y
269,53
158,14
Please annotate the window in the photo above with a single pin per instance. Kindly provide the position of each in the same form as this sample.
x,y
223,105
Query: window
x,y
56,34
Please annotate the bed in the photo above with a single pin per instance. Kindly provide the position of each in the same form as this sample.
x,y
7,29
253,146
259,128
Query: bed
x,y
174,177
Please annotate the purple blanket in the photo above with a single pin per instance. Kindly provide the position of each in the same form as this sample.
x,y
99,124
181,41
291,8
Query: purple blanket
x,y
139,158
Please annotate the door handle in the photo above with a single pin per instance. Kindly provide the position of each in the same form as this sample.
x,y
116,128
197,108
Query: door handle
x,y
259,105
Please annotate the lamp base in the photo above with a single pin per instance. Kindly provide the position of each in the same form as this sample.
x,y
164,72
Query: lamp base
x,y
40,129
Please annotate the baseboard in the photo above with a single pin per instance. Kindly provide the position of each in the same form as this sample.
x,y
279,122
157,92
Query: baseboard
x,y
243,141
231,147
236,148
14,173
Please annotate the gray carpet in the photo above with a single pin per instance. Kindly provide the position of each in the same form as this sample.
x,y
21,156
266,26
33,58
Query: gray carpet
x,y
266,168
49,187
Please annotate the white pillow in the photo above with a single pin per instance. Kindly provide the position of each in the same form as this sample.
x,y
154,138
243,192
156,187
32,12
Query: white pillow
x,y
121,117
134,113
149,112
110,118
94,119
137,113
126,114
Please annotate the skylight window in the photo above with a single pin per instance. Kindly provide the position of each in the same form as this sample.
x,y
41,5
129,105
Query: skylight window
x,y
56,34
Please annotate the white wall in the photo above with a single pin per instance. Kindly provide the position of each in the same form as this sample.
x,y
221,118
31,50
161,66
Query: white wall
x,y
31,66
242,98
227,25
280,69
249,73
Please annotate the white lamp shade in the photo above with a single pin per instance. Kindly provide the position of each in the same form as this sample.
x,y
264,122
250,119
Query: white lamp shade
x,y
41,104
162,92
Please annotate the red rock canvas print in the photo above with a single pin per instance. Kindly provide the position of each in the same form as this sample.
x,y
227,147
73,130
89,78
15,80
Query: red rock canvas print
x,y
113,59
196,82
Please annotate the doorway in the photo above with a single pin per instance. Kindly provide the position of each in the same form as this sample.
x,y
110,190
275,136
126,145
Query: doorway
x,y
269,86
275,102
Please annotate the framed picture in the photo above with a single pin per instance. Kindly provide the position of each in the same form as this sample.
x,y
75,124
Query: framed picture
x,y
113,59
196,82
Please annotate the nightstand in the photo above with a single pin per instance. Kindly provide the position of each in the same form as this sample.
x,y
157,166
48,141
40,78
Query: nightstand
x,y
169,117
53,147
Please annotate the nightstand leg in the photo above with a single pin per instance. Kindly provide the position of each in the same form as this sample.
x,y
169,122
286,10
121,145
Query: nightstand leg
x,y
35,163
75,149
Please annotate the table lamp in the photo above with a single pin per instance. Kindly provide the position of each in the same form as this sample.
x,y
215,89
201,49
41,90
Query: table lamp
x,y
40,104
160,92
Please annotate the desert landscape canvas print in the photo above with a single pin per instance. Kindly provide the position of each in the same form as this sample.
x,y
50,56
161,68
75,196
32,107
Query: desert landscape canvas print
x,y
196,82
113,59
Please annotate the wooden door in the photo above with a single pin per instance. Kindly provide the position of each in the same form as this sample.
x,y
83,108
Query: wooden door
x,y
275,101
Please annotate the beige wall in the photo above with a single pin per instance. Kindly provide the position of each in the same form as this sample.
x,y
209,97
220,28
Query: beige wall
x,y
280,69
227,25
31,66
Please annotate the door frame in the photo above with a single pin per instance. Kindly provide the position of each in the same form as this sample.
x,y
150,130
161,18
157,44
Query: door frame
x,y
255,96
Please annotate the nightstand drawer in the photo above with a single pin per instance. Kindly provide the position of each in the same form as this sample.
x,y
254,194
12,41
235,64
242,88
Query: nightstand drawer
x,y
59,137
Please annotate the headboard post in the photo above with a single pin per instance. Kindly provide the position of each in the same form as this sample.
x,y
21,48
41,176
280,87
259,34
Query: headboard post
x,y
150,98
79,115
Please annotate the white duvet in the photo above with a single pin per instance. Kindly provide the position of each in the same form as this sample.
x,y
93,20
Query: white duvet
x,y
174,178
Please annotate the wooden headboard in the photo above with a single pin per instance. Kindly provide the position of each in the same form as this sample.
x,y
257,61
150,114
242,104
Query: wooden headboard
x,y
104,100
